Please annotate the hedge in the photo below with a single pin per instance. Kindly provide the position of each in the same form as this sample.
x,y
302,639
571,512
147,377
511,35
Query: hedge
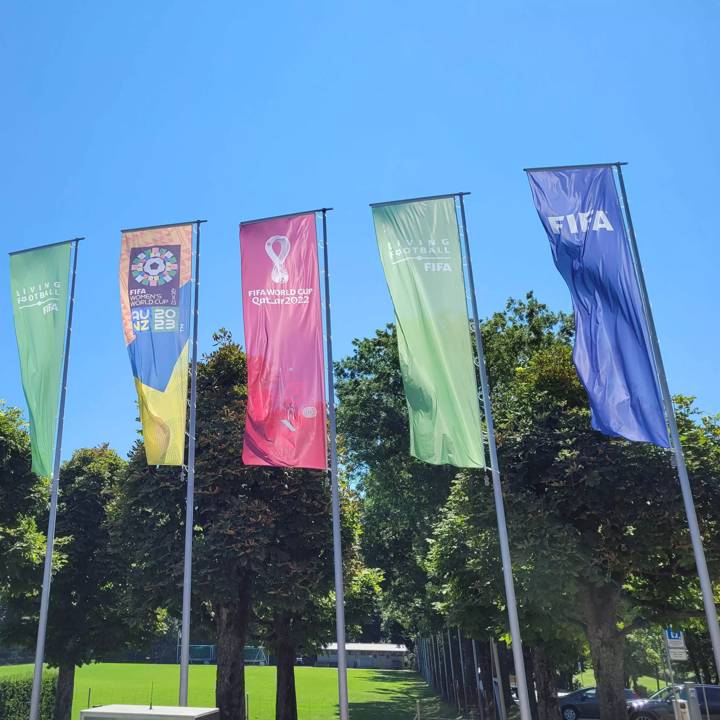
x,y
15,697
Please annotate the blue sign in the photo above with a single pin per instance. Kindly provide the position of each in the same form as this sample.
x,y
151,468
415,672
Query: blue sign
x,y
581,213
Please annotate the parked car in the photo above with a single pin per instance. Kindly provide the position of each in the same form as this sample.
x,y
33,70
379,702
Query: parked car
x,y
659,706
584,704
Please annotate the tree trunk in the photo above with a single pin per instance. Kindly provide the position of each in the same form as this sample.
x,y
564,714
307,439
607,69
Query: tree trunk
x,y
232,625
285,697
530,677
547,701
506,669
607,644
466,664
487,709
64,693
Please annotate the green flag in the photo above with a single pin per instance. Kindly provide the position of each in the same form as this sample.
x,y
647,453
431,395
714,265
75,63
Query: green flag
x,y
39,289
420,250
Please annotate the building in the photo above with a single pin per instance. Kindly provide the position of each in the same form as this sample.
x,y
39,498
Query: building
x,y
376,656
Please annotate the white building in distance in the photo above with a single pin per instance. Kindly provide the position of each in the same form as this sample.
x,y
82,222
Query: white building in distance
x,y
375,656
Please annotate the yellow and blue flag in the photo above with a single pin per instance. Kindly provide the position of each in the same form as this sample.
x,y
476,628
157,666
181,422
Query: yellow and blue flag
x,y
155,287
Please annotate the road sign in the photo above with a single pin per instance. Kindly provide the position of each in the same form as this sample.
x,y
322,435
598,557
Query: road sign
x,y
678,653
674,638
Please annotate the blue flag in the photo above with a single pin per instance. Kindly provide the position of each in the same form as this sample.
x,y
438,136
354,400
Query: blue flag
x,y
581,213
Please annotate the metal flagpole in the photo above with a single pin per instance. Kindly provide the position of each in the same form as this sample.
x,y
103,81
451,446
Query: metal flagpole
x,y
441,645
190,499
462,668
477,678
431,658
431,661
452,667
428,663
498,674
337,543
517,649
440,666
47,570
705,583
443,660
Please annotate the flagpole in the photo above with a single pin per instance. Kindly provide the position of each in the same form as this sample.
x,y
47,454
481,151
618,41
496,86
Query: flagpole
x,y
47,571
517,649
696,538
337,543
453,694
477,680
462,668
190,499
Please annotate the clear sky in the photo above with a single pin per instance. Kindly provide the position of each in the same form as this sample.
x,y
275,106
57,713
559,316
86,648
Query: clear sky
x,y
120,114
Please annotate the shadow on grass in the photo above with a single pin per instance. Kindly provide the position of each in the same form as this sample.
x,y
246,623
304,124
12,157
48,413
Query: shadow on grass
x,y
403,690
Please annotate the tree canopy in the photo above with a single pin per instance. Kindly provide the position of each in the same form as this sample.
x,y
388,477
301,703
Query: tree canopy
x,y
262,547
598,534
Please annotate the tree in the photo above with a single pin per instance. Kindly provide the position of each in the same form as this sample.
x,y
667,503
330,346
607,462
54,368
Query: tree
x,y
401,496
298,576
463,561
644,656
22,499
261,547
85,617
466,581
620,500
616,504
234,519
297,605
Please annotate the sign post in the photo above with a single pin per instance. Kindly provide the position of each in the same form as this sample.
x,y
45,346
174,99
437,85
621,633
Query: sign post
x,y
674,641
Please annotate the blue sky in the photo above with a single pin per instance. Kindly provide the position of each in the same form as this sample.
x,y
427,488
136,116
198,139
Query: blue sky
x,y
119,114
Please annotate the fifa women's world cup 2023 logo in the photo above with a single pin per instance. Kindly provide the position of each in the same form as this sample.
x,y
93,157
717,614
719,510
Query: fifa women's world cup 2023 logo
x,y
153,288
153,267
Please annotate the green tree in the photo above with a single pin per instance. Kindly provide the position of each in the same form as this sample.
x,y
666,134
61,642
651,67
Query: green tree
x,y
615,505
23,497
233,523
465,573
298,575
261,538
296,606
620,500
86,616
402,497
644,656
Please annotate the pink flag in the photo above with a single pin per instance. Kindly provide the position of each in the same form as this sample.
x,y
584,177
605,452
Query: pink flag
x,y
285,420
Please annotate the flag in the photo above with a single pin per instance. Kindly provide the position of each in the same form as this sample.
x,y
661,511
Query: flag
x,y
420,251
580,210
39,289
285,419
155,275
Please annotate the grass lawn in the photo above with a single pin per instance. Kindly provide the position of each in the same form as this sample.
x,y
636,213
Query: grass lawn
x,y
587,679
374,694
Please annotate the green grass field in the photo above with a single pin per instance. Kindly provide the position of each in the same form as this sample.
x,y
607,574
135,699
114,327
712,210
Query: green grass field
x,y
587,679
374,694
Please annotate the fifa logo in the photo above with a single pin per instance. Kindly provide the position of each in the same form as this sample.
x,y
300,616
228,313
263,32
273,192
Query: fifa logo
x,y
580,222
279,271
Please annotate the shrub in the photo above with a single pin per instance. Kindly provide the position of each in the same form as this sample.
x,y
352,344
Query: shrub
x,y
15,697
